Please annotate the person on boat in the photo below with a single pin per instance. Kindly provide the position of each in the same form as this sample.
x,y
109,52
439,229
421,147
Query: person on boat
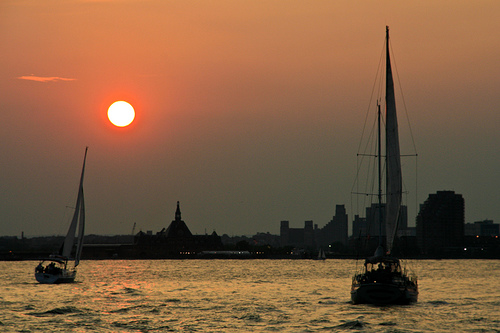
x,y
39,268
50,268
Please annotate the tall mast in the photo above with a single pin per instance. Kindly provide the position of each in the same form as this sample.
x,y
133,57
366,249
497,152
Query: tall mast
x,y
389,100
380,219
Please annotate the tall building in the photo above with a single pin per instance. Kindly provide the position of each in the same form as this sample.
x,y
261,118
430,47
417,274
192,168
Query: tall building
x,y
334,231
369,226
359,226
297,237
440,223
175,240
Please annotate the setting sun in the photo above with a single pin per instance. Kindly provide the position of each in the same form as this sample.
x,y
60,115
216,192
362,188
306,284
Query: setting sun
x,y
121,114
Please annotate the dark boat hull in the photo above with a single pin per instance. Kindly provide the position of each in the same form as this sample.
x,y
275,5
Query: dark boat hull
x,y
62,277
383,294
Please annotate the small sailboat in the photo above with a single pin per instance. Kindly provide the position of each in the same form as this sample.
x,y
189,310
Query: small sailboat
x,y
56,268
321,255
383,280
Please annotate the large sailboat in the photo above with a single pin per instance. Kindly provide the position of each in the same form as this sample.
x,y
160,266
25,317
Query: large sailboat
x,y
383,280
56,268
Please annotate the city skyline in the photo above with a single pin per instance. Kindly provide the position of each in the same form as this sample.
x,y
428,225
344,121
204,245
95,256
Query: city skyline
x,y
247,113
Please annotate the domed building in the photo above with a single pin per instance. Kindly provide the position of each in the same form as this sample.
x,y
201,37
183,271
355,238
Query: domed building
x,y
175,241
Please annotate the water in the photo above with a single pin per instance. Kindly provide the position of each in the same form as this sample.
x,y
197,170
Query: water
x,y
244,296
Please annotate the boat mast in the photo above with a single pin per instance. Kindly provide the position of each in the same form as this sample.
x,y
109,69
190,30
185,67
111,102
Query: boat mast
x,y
380,219
381,216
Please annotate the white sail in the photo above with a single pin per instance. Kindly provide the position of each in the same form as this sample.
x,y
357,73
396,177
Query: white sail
x,y
78,220
81,231
393,158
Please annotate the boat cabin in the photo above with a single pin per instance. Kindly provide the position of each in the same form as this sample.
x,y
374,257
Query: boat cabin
x,y
382,264
55,265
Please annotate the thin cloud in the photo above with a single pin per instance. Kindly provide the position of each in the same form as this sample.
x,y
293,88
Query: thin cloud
x,y
45,78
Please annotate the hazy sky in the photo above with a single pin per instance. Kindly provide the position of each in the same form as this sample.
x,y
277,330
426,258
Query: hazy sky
x,y
248,112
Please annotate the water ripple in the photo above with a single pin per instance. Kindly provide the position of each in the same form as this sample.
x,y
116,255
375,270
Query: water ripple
x,y
243,296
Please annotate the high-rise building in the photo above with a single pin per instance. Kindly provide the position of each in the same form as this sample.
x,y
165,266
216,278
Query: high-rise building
x,y
440,223
369,226
298,237
358,226
334,231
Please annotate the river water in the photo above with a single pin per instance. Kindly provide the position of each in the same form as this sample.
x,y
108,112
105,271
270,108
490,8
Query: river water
x,y
244,296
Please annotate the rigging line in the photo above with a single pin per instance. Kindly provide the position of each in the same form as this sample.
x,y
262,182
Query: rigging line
x,y
364,164
357,185
360,161
367,186
416,186
377,85
377,75
368,194
352,212
376,155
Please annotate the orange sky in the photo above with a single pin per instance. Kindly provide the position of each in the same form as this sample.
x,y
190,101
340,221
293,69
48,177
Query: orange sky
x,y
248,112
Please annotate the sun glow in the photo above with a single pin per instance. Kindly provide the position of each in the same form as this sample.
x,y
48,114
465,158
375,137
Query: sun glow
x,y
121,114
